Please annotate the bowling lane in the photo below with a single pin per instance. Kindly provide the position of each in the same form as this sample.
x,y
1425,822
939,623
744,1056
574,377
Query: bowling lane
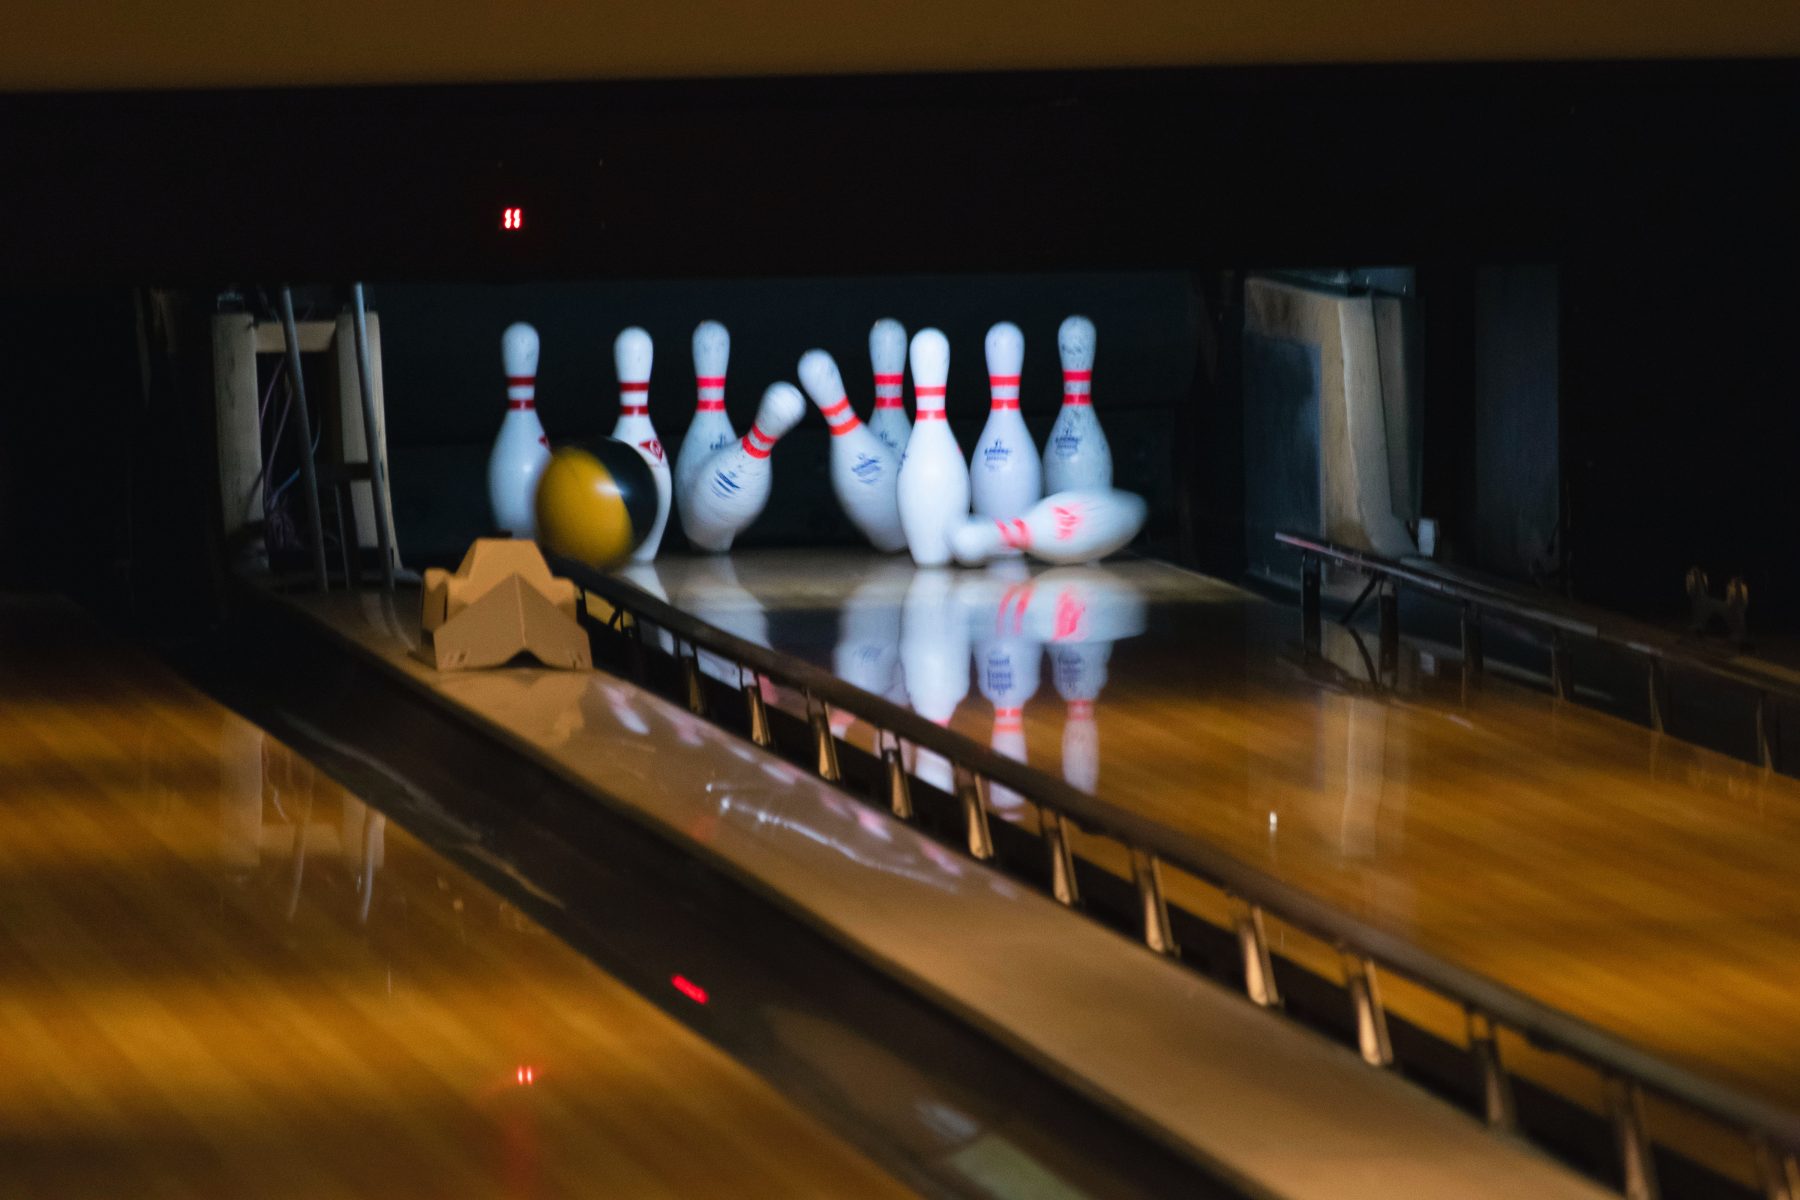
x,y
1639,883
199,996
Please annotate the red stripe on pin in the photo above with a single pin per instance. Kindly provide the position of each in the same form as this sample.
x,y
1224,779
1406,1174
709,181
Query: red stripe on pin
x,y
889,402
1001,402
1003,381
1076,398
1081,710
753,449
708,381
710,406
635,387
932,414
938,390
634,410
1014,534
834,410
1077,376
521,405
521,381
882,379
840,429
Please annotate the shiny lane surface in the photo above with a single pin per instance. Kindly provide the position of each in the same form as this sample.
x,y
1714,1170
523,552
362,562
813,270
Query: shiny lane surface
x,y
1634,881
194,1003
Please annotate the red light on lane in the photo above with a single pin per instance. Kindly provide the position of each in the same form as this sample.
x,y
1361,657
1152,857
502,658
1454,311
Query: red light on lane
x,y
512,218
689,988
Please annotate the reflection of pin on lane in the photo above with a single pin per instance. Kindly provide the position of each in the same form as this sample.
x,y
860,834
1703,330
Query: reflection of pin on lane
x,y
632,356
710,430
1067,527
1079,669
867,653
1007,657
934,478
865,473
710,590
1005,475
520,449
732,487
934,646
887,356
644,576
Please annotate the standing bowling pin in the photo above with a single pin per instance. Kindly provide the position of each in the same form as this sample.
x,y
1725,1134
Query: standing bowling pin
x,y
710,430
733,485
865,474
1077,456
1005,474
521,450
632,353
934,479
1068,527
887,355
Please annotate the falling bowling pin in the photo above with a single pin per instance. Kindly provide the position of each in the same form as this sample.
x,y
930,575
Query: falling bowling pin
x,y
710,430
934,479
865,473
632,354
1068,527
732,487
1076,455
521,449
887,357
1005,475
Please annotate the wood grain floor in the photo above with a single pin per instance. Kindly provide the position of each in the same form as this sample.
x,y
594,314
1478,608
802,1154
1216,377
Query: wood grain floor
x,y
194,1003
1634,881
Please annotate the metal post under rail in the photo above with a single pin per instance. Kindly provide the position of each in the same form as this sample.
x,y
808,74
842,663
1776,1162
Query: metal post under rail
x,y
309,479
378,488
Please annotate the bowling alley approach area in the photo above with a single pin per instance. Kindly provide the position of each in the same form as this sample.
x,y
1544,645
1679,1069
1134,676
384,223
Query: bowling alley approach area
x,y
1116,605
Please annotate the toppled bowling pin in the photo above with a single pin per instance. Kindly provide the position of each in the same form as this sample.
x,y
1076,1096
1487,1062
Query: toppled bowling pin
x,y
1076,455
887,357
732,487
934,479
1005,474
710,431
865,474
1068,527
632,355
521,449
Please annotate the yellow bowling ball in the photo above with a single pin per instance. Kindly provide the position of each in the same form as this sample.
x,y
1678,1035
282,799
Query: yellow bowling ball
x,y
596,501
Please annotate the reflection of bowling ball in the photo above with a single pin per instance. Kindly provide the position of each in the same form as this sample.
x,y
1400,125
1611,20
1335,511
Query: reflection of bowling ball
x,y
596,501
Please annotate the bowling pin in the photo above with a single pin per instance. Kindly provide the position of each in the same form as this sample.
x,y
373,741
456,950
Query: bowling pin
x,y
710,430
1077,456
934,479
632,353
521,449
887,355
1068,527
732,486
865,474
1005,474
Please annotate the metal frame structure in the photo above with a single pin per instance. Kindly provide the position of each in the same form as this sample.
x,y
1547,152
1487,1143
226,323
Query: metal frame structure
x,y
1660,652
1772,1135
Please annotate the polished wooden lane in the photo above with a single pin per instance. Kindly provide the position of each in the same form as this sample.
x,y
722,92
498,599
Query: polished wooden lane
x,y
221,975
1637,882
